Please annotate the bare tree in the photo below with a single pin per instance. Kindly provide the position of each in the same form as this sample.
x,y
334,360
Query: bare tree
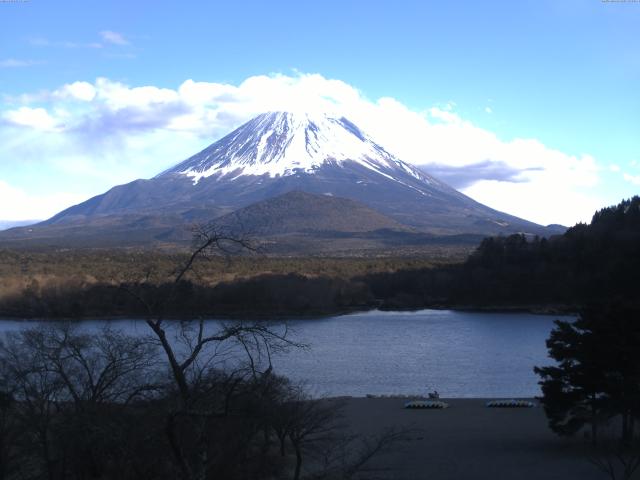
x,y
312,422
347,456
319,438
104,368
9,434
192,348
65,385
38,392
616,458
255,338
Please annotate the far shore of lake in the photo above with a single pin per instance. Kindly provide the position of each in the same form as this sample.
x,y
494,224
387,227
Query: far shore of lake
x,y
562,310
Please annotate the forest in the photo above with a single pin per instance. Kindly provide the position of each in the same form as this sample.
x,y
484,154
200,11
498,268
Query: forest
x,y
590,262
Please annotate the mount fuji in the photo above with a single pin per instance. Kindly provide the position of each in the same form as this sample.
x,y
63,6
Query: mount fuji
x,y
267,158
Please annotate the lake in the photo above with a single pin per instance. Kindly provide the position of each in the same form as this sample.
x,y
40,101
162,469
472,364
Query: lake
x,y
460,354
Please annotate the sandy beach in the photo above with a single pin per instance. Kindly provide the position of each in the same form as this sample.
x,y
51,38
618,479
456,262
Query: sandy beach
x,y
469,441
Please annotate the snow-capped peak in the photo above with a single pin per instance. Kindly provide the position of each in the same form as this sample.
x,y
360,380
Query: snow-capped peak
x,y
285,143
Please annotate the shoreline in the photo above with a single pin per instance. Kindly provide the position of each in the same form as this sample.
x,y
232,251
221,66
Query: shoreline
x,y
394,396
548,310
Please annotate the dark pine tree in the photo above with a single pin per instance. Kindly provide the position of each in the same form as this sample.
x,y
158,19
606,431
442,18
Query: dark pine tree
x,y
597,376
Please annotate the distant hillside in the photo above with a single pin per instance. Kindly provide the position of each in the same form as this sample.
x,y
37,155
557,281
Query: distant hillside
x,y
103,231
301,212
304,223
295,223
5,224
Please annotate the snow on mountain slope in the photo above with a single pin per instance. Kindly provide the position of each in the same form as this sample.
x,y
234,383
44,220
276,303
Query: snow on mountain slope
x,y
284,143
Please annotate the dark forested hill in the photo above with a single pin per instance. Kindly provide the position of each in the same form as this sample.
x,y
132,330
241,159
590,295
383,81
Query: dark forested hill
x,y
298,211
595,262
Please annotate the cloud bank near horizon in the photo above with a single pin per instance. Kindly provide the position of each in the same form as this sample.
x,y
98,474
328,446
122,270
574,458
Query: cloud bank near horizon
x,y
88,136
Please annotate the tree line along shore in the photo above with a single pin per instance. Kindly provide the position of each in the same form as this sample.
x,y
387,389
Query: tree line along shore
x,y
589,263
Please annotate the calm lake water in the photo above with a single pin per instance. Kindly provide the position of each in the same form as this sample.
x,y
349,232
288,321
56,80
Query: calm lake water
x,y
460,354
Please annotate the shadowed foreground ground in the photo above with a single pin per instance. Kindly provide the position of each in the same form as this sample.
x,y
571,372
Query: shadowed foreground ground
x,y
469,441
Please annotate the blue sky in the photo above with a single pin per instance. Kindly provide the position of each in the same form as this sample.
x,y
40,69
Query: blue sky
x,y
544,94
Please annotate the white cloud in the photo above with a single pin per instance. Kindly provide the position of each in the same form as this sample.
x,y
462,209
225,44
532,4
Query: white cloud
x,y
17,204
116,95
44,42
113,37
488,110
36,118
634,179
14,63
142,130
77,90
444,115
614,168
545,201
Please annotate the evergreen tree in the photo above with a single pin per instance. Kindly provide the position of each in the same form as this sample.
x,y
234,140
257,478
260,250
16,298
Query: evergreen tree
x,y
597,376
